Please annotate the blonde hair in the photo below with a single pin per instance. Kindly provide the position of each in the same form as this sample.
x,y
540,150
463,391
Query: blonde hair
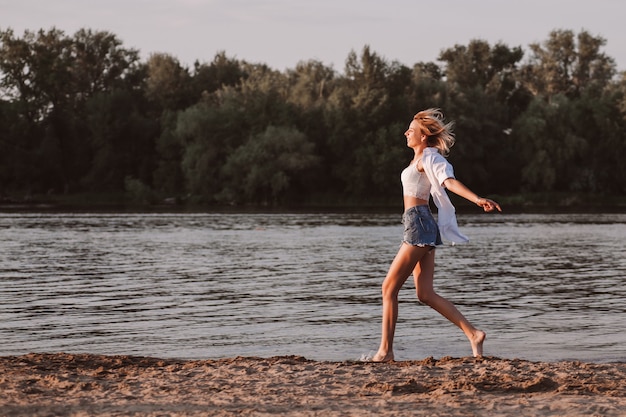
x,y
439,134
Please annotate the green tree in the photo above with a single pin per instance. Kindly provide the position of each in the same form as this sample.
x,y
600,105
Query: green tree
x,y
168,176
484,98
50,77
168,84
426,88
366,78
221,72
35,71
208,132
99,62
268,167
551,144
264,93
599,120
20,165
379,161
358,106
121,138
619,89
221,122
570,130
310,83
568,64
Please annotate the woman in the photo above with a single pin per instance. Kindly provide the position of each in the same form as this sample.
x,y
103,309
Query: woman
x,y
427,174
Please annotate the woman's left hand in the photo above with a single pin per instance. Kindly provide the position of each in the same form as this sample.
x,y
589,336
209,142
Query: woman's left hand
x,y
487,205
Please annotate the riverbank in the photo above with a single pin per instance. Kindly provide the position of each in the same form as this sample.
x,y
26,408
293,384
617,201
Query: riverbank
x,y
120,202
95,385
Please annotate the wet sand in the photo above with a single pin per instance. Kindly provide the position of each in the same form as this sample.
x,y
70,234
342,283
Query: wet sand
x,y
94,385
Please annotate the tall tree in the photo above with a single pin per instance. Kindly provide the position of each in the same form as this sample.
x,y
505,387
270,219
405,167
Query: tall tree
x,y
52,76
221,72
567,64
36,71
366,78
358,105
207,133
268,167
99,62
551,144
484,97
168,83
310,83
168,175
121,138
21,168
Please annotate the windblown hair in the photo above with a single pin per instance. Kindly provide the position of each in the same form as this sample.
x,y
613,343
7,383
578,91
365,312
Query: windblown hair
x,y
439,133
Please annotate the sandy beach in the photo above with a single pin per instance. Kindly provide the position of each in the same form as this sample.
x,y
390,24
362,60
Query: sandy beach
x,y
94,385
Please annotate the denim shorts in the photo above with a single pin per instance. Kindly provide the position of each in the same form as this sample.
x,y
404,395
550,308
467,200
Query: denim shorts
x,y
420,227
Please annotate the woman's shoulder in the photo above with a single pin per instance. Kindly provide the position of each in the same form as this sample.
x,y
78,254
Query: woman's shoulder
x,y
437,164
433,154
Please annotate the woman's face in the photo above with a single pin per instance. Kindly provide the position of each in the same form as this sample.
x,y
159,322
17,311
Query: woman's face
x,y
413,135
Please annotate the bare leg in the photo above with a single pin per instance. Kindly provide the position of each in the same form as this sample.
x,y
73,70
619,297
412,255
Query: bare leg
x,y
398,273
423,273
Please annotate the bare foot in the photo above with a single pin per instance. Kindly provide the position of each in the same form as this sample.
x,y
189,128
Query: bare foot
x,y
382,357
477,343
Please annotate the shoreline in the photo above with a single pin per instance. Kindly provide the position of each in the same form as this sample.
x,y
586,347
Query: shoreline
x,y
558,202
64,384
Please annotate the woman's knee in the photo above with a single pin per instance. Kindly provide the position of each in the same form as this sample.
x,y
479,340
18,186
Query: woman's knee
x,y
389,291
426,297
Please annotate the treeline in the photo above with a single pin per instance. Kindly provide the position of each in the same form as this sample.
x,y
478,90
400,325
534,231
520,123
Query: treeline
x,y
82,114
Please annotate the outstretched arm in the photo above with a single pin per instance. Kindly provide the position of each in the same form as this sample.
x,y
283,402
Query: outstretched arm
x,y
457,187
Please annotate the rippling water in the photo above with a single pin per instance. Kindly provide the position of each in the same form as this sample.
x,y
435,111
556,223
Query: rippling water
x,y
543,287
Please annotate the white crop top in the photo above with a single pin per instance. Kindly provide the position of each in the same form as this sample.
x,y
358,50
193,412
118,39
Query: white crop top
x,y
415,183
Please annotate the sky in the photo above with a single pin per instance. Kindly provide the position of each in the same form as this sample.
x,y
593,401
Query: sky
x,y
281,33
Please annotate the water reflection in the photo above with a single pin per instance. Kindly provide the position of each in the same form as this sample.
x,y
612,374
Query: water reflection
x,y
544,287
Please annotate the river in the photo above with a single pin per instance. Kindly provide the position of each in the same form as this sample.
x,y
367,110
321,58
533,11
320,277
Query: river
x,y
546,287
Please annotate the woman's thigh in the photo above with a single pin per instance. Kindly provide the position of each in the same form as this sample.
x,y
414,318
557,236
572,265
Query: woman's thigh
x,y
403,264
424,273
